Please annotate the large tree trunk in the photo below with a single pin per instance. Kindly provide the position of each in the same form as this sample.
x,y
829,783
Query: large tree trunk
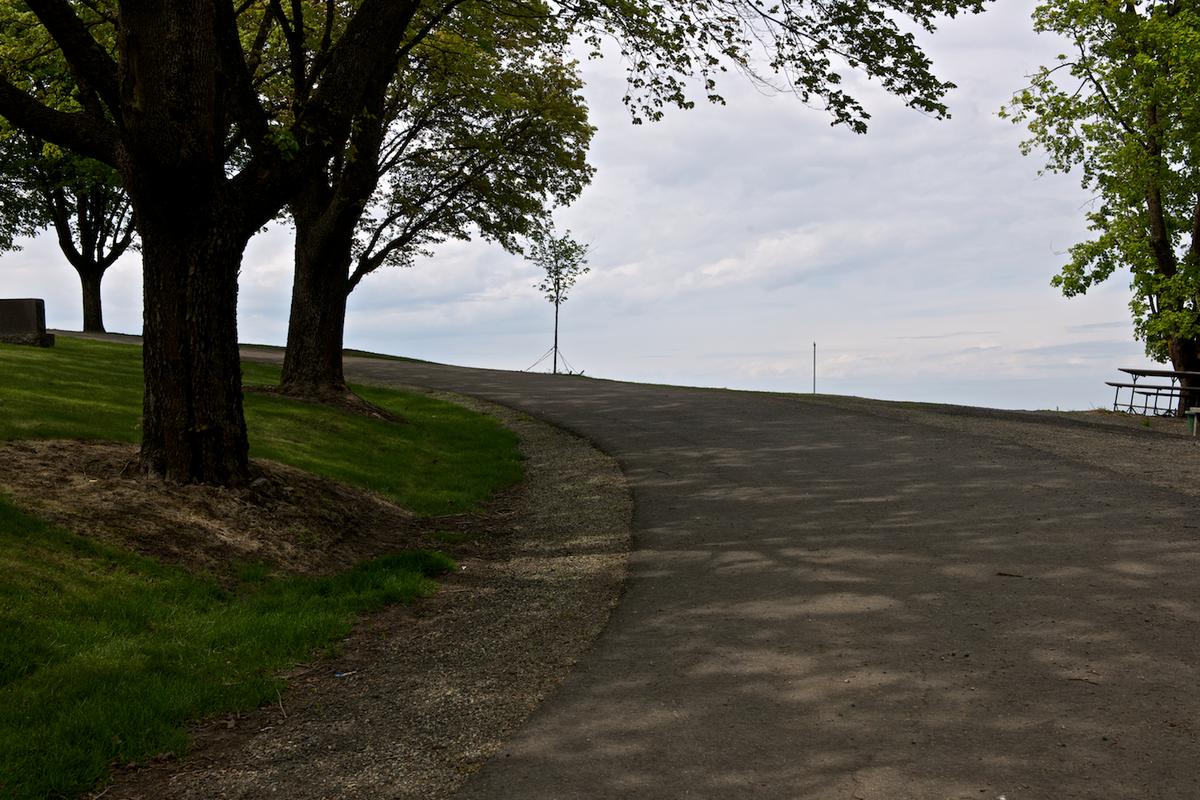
x,y
312,365
193,228
93,314
326,210
1185,357
192,423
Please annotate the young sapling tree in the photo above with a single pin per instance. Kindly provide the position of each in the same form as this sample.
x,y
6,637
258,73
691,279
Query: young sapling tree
x,y
563,260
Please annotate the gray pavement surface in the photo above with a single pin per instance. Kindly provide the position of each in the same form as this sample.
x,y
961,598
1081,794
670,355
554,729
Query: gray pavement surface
x,y
827,604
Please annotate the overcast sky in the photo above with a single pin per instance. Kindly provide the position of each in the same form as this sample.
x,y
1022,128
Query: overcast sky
x,y
726,240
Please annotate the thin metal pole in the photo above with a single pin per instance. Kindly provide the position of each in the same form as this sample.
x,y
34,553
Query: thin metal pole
x,y
556,338
814,367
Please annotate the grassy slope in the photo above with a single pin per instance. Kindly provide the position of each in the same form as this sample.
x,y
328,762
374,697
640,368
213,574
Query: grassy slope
x,y
444,460
104,655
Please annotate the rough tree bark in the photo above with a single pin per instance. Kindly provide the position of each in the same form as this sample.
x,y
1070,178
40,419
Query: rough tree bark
x,y
193,234
192,424
312,364
93,313
326,209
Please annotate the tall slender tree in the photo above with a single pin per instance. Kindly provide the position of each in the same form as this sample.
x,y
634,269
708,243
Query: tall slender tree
x,y
170,93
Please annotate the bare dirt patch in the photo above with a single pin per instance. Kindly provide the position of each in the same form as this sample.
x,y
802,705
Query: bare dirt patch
x,y
286,518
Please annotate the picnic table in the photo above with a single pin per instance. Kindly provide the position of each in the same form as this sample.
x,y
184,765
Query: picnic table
x,y
1151,393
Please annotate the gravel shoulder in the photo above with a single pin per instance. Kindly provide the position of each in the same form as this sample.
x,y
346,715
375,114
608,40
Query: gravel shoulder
x,y
419,697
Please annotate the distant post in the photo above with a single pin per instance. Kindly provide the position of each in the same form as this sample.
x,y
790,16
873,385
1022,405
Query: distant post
x,y
814,367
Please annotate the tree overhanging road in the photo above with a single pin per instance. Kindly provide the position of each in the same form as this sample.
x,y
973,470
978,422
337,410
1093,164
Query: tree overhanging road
x,y
829,604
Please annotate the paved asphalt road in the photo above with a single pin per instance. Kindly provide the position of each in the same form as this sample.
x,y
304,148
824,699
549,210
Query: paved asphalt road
x,y
826,604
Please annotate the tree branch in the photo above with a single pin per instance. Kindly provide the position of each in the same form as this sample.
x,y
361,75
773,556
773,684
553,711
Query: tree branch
x,y
1112,109
293,34
119,246
56,202
370,46
76,131
90,62
247,109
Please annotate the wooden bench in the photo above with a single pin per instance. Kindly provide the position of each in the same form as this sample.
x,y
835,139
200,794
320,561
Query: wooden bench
x,y
23,321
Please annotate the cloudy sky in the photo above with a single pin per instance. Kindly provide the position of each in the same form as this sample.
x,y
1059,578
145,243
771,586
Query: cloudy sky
x,y
726,240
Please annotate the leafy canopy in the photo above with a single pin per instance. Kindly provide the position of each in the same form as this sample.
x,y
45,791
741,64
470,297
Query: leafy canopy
x,y
1123,108
487,132
42,184
562,259
297,71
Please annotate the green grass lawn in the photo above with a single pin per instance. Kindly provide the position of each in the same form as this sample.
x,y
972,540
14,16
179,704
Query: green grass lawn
x,y
104,655
444,459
